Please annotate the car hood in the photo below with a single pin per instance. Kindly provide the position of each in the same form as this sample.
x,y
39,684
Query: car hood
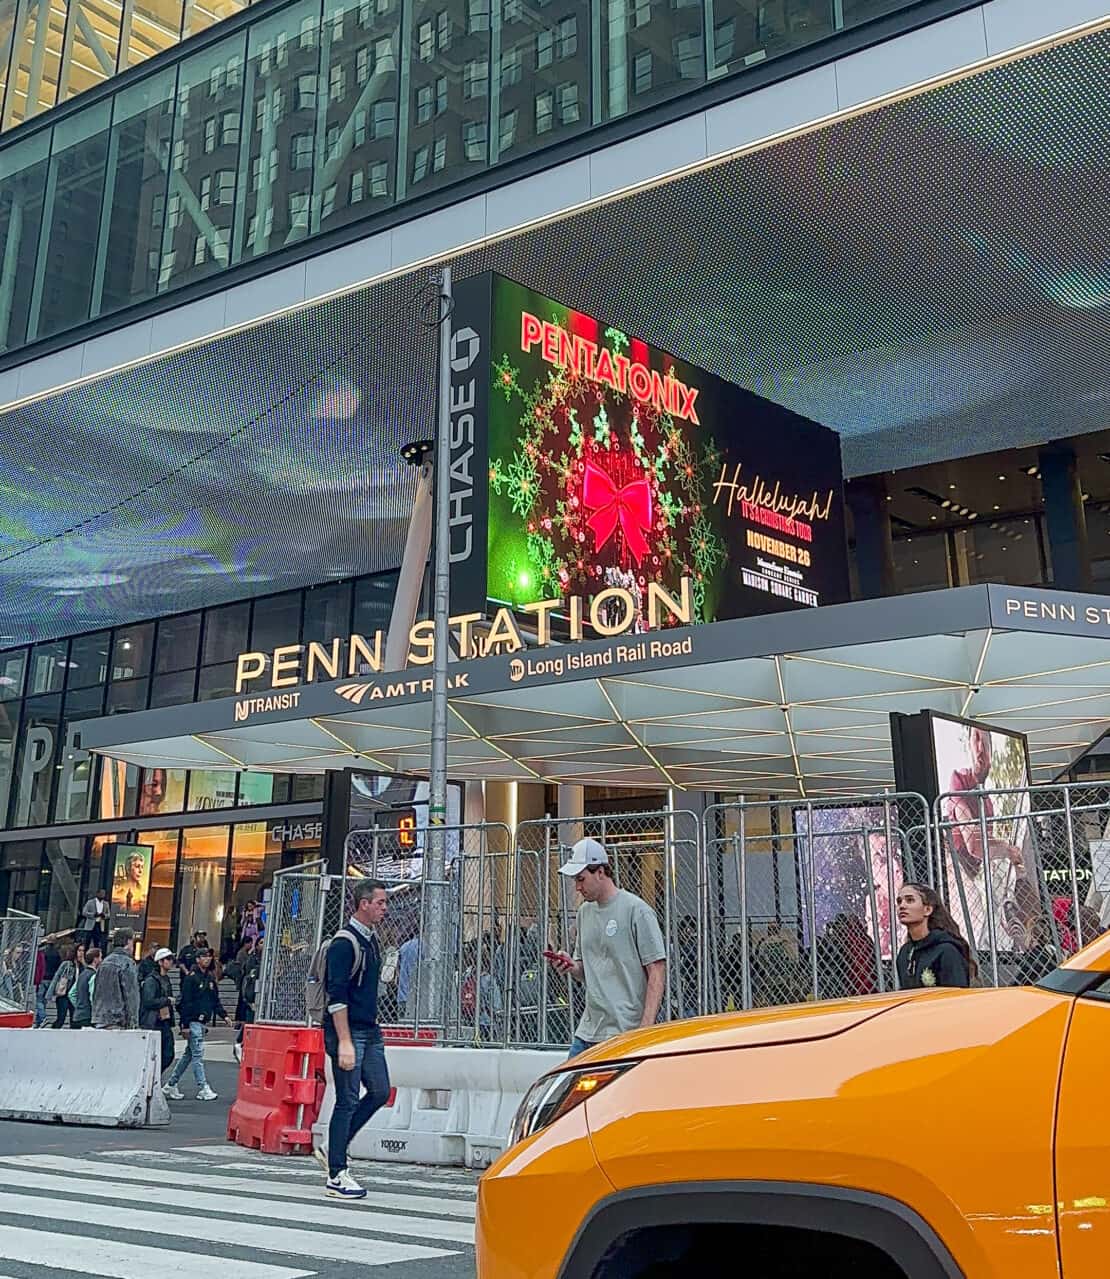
x,y
792,1024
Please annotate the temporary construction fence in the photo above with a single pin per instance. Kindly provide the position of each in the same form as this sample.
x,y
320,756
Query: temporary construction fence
x,y
759,903
19,939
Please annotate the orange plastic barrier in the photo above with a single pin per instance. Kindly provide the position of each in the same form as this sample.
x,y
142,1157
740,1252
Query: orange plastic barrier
x,y
17,1021
280,1089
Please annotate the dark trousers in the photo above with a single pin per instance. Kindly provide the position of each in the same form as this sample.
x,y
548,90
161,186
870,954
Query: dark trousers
x,y
65,1009
169,1045
351,1114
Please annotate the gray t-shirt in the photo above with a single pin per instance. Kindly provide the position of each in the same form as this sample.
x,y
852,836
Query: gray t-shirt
x,y
614,943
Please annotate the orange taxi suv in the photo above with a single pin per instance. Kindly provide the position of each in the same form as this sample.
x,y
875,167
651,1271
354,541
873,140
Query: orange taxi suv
x,y
925,1134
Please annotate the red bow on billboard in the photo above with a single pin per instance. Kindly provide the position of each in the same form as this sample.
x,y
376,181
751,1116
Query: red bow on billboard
x,y
630,506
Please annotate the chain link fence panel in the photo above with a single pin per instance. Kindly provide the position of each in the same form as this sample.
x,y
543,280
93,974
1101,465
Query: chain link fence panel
x,y
294,928
800,900
19,942
655,855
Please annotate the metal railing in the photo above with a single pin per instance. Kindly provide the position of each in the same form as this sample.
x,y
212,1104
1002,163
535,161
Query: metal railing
x,y
759,903
19,941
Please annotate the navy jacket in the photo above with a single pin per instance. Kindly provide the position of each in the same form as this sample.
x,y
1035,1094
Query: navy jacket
x,y
359,997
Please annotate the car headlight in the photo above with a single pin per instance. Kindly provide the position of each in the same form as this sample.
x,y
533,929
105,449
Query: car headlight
x,y
554,1095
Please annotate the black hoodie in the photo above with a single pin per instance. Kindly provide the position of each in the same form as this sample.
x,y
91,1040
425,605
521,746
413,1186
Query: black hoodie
x,y
935,960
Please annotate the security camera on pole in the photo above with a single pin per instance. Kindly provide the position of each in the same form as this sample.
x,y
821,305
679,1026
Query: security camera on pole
x,y
433,974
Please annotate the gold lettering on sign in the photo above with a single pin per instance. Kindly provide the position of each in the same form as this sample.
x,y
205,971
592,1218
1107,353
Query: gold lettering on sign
x,y
759,493
625,615
318,655
361,651
681,609
287,665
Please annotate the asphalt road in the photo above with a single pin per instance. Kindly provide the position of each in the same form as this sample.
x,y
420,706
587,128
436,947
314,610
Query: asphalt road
x,y
182,1201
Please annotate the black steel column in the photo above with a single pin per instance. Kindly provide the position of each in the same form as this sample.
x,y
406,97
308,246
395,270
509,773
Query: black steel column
x,y
866,500
1065,521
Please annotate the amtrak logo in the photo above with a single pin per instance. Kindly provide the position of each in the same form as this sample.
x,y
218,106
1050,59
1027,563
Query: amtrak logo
x,y
354,693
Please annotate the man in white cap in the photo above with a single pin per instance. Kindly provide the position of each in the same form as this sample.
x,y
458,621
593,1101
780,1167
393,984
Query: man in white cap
x,y
619,954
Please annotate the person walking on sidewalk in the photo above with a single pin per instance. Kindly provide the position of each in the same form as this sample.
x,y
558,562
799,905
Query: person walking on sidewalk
x,y
60,989
116,999
352,1037
619,955
200,1008
156,1010
85,989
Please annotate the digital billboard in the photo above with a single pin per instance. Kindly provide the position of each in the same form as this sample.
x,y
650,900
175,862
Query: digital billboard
x,y
131,885
611,463
980,774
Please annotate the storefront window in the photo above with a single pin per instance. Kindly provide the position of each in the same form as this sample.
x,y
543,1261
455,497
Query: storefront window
x,y
119,789
20,871
203,880
209,788
262,788
163,874
255,856
307,788
163,791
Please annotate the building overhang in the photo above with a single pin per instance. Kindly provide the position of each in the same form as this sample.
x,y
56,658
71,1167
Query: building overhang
x,y
793,703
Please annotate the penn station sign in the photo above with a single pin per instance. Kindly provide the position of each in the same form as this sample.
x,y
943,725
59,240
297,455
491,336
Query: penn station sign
x,y
611,612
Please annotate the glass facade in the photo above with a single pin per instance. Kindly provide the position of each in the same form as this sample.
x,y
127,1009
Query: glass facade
x,y
314,115
46,691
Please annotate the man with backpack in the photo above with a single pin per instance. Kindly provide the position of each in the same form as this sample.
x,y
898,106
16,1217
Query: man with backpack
x,y
342,991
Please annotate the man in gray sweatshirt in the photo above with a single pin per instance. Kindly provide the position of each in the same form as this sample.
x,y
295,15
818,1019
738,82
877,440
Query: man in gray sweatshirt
x,y
116,997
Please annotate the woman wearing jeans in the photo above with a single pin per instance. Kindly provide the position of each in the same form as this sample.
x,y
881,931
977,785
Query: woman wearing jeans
x,y
65,979
200,1008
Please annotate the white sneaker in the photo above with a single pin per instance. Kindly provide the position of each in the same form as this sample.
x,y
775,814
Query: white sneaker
x,y
206,1094
171,1092
344,1186
320,1154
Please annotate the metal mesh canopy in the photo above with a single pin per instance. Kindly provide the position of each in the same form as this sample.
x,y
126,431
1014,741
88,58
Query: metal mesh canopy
x,y
796,703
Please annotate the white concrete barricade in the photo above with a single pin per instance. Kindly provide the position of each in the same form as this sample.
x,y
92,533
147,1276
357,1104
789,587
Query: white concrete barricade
x,y
105,1077
453,1106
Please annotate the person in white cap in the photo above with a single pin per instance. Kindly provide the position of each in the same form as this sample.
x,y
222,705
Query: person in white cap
x,y
619,955
156,1003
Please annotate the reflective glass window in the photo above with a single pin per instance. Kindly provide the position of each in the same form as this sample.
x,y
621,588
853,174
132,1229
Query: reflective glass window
x,y
1005,550
119,789
134,215
327,613
62,293
200,16
48,667
204,855
276,621
35,757
13,668
60,891
437,148
155,26
20,866
357,138
163,877
22,192
281,104
225,632
132,650
651,50
263,788
128,695
374,603
88,660
208,85
91,51
76,794
216,681
9,727
36,59
178,642
255,856
173,690
211,788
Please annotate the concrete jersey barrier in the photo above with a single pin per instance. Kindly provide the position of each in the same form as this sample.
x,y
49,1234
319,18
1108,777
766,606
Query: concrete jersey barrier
x,y
452,1106
105,1077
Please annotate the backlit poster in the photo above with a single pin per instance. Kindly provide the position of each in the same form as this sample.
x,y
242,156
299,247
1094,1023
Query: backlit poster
x,y
614,464
131,886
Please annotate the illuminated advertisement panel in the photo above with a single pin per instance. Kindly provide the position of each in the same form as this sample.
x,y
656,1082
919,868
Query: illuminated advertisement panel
x,y
614,464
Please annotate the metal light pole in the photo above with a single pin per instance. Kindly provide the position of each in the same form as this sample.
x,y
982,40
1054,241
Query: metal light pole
x,y
433,971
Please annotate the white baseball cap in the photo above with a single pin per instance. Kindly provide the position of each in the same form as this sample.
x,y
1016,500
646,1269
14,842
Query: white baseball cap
x,y
587,852
159,955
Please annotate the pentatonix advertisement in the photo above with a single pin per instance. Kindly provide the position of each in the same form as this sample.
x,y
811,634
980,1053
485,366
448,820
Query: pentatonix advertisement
x,y
614,464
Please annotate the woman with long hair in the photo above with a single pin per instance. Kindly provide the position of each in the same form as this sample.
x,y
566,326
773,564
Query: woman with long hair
x,y
935,953
65,979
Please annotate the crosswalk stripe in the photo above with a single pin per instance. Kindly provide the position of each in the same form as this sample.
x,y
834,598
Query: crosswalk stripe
x,y
200,1179
310,1171
108,1257
269,1238
322,1212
